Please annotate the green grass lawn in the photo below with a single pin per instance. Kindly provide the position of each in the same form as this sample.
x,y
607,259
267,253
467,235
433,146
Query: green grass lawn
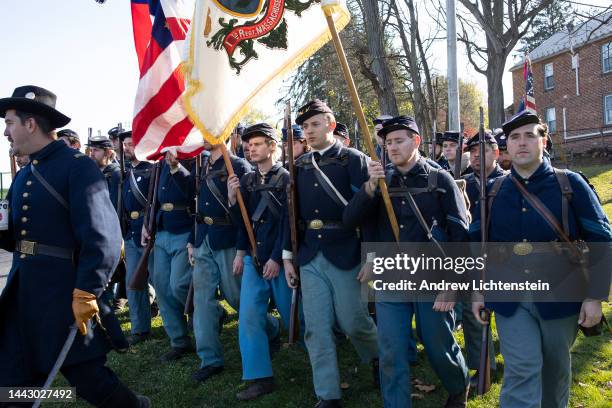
x,y
170,385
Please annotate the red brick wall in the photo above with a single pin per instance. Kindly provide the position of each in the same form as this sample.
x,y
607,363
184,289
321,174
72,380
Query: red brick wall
x,y
584,113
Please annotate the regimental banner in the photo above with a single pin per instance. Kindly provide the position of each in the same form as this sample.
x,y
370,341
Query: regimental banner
x,y
235,48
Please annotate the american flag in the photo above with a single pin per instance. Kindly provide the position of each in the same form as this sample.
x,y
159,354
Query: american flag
x,y
160,120
528,99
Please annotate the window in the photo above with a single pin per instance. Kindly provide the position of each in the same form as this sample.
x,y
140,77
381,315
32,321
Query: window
x,y
608,109
549,82
551,120
606,57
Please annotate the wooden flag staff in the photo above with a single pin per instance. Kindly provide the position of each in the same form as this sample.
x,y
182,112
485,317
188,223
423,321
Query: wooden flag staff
x,y
348,77
243,211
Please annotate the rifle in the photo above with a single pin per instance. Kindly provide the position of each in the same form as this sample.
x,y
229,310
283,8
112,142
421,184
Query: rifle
x,y
13,165
357,135
294,319
87,148
434,140
198,174
459,154
484,368
141,274
122,220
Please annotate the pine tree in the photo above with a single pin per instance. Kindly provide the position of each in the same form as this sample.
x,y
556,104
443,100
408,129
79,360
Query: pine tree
x,y
551,20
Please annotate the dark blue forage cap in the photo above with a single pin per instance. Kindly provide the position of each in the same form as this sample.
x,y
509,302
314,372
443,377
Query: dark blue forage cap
x,y
500,137
475,140
398,122
298,133
260,129
102,142
311,109
341,130
450,137
522,118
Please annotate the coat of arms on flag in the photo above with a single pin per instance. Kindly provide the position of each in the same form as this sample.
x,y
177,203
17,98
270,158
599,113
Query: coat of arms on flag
x,y
235,48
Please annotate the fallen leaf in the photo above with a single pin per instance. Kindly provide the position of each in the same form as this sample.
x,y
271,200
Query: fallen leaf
x,y
609,384
344,386
425,387
581,384
579,406
416,381
417,396
292,379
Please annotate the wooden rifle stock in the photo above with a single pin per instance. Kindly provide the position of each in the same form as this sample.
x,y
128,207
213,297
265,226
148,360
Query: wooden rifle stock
x,y
189,300
140,277
458,155
484,368
294,316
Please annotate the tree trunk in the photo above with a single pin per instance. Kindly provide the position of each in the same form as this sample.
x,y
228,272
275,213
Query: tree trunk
x,y
495,72
383,84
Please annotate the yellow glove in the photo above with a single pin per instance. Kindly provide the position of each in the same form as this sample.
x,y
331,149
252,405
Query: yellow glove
x,y
84,307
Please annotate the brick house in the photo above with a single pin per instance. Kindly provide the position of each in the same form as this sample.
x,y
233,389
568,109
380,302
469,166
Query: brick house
x,y
573,86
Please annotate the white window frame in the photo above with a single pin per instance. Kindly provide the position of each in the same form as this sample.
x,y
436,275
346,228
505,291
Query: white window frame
x,y
548,86
607,105
549,120
606,54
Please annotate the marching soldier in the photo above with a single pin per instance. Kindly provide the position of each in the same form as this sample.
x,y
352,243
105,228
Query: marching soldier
x,y
70,137
265,196
504,158
341,134
380,145
329,252
472,330
300,146
450,143
135,190
438,152
443,207
101,152
171,270
213,250
66,242
536,337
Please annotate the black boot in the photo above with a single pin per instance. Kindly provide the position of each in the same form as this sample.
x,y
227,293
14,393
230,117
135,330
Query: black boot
x,y
122,396
458,400
256,389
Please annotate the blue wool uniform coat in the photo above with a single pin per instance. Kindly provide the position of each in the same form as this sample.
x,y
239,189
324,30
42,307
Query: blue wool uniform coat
x,y
36,305
347,170
445,206
220,236
514,220
177,189
267,229
112,174
142,174
472,187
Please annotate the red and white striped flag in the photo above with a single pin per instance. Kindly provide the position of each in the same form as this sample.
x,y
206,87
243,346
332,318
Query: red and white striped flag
x,y
160,120
528,99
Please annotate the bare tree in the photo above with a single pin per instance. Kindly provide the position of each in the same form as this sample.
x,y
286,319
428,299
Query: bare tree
x,y
504,23
377,69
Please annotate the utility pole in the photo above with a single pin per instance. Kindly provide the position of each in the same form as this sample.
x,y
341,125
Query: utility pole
x,y
453,84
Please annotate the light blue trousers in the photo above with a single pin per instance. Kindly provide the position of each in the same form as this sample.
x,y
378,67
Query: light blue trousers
x,y
538,369
257,327
171,281
213,269
394,336
332,295
139,301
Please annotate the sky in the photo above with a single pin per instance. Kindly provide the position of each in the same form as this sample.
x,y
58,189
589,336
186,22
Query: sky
x,y
84,53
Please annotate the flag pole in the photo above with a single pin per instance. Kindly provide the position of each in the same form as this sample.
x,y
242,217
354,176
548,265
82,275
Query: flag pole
x,y
243,211
348,77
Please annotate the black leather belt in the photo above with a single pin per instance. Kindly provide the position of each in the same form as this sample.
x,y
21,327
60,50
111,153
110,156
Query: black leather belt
x,y
34,248
173,207
206,219
317,224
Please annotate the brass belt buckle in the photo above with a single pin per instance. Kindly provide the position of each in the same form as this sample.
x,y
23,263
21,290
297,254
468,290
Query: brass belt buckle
x,y
134,215
27,247
167,207
315,224
522,248
209,220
